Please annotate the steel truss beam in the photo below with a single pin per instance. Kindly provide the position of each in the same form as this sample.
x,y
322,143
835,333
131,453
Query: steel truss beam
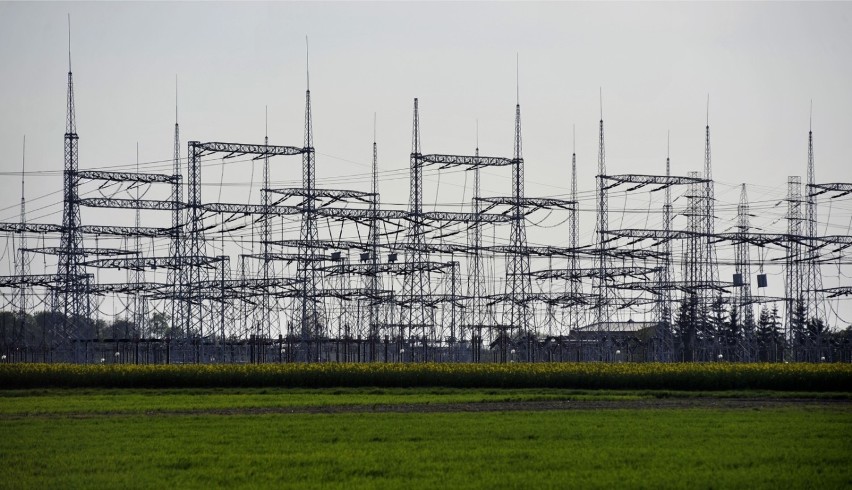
x,y
237,149
530,202
142,178
842,188
82,251
142,263
40,280
474,162
663,181
573,274
109,202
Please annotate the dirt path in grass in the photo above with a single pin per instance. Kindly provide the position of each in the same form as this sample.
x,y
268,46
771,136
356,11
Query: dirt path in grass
x,y
508,406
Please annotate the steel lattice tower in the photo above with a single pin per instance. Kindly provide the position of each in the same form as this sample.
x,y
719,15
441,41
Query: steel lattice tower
x,y
175,275
575,284
476,275
311,323
742,263
194,272
23,268
793,261
416,284
710,272
72,301
693,259
137,274
663,339
373,279
267,317
814,307
601,227
518,279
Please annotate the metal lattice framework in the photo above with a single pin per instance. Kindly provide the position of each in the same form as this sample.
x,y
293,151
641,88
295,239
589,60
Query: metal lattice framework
x,y
390,284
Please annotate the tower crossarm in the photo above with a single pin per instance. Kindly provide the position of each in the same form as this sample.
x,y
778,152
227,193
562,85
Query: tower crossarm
x,y
841,188
333,194
39,280
649,234
17,227
367,268
446,161
529,202
467,217
574,274
104,202
684,286
238,149
143,178
640,180
141,263
131,231
80,252
130,288
224,207
838,291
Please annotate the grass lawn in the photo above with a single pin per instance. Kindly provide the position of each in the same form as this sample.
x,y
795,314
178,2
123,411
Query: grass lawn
x,y
45,443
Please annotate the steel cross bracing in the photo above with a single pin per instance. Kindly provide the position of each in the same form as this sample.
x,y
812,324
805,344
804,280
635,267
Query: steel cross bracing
x,y
109,202
664,334
812,275
472,162
373,282
518,282
475,314
742,305
842,189
71,302
267,318
353,291
142,178
601,282
639,181
417,317
310,322
582,273
54,281
795,312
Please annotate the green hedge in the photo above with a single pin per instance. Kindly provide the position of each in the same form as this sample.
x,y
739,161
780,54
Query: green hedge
x,y
693,376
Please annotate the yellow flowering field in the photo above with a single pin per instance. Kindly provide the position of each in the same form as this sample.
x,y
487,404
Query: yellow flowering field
x,y
687,376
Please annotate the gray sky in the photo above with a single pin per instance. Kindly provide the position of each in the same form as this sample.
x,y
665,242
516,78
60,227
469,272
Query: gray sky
x,y
761,64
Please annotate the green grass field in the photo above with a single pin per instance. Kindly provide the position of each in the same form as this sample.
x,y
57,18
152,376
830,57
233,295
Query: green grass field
x,y
75,438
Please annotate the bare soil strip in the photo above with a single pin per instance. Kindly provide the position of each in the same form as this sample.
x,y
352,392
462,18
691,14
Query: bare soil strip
x,y
533,406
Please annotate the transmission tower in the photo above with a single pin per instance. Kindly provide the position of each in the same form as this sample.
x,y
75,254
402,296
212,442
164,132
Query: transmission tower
x,y
742,266
267,316
175,276
601,227
814,300
710,272
310,321
518,261
136,275
417,315
663,341
23,269
476,288
72,300
795,307
575,283
373,278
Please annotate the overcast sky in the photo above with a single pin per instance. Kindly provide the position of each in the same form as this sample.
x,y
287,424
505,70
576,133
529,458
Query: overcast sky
x,y
656,63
